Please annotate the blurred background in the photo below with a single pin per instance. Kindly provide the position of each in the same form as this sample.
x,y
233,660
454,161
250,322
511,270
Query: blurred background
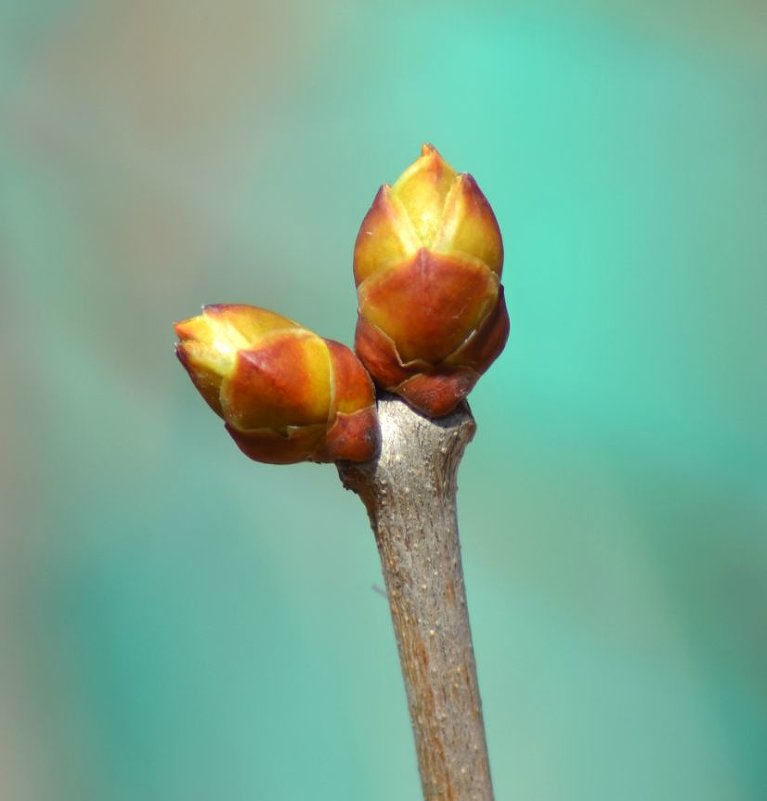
x,y
177,623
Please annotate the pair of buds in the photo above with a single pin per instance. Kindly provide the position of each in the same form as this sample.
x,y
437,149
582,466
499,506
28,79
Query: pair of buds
x,y
431,320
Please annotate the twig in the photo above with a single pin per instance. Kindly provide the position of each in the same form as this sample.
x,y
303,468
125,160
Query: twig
x,y
410,495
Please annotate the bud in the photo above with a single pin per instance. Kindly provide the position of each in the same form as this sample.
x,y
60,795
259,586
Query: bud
x,y
427,264
286,394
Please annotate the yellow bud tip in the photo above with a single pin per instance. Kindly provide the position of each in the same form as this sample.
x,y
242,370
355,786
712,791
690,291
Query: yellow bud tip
x,y
422,190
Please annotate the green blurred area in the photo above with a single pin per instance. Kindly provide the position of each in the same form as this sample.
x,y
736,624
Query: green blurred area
x,y
179,623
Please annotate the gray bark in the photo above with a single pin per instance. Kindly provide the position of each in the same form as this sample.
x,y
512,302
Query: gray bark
x,y
410,495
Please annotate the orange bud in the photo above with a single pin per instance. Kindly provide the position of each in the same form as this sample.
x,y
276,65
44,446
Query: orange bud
x,y
427,264
286,394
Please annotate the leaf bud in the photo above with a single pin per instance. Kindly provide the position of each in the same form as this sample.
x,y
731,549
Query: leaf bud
x,y
285,394
427,265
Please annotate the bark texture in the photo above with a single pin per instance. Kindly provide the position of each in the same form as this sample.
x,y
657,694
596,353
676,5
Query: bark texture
x,y
410,495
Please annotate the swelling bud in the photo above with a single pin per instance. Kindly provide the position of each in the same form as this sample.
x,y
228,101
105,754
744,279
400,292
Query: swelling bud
x,y
427,265
285,394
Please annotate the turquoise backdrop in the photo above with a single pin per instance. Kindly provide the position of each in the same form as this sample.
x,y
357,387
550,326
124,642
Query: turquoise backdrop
x,y
179,624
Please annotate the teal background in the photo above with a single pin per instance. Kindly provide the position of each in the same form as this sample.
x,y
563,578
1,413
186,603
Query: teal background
x,y
177,623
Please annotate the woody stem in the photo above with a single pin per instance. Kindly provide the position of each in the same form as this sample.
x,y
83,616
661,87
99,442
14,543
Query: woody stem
x,y
410,495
